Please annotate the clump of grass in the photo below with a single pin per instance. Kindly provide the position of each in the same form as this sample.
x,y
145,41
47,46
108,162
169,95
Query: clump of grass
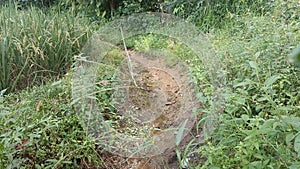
x,y
37,45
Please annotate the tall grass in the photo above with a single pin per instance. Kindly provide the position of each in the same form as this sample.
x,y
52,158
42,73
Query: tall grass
x,y
215,14
36,45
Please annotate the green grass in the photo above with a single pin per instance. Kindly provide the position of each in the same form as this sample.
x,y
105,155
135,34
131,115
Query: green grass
x,y
37,45
259,127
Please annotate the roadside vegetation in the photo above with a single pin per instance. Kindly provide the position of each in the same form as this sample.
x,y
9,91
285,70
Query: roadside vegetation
x,y
260,124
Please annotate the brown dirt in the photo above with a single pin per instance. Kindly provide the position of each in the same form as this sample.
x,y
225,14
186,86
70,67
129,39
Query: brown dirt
x,y
166,160
162,99
157,96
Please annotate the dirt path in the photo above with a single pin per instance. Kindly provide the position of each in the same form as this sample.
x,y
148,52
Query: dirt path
x,y
160,97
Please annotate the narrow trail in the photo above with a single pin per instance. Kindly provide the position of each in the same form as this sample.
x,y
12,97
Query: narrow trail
x,y
161,100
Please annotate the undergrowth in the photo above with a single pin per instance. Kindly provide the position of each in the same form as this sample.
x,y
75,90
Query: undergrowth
x,y
260,125
39,129
259,128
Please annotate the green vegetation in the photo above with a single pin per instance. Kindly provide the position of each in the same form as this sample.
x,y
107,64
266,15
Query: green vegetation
x,y
38,45
40,130
259,127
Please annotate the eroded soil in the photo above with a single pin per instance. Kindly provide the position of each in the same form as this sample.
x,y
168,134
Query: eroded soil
x,y
158,97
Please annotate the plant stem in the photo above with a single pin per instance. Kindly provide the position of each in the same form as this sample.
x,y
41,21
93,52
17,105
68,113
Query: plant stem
x,y
128,58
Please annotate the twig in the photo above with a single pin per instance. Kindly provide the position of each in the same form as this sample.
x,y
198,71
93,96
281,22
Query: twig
x,y
128,58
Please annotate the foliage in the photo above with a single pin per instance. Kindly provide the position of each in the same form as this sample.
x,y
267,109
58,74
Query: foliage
x,y
36,46
100,10
24,4
206,14
41,130
132,6
215,14
259,127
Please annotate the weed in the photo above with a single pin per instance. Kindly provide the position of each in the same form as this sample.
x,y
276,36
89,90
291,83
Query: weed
x,y
263,94
40,130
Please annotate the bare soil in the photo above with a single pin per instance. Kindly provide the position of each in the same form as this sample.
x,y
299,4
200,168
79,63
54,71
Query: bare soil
x,y
159,97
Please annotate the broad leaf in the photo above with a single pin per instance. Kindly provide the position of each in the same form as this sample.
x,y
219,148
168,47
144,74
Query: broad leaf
x,y
297,145
293,121
271,80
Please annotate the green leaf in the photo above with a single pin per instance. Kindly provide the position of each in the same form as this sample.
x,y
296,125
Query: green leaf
x,y
245,117
178,153
256,145
255,132
297,145
244,83
180,132
52,160
253,65
255,164
56,83
2,92
271,80
288,138
261,99
241,101
258,156
295,166
293,121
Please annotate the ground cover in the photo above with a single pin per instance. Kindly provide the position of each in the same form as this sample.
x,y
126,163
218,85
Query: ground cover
x,y
259,127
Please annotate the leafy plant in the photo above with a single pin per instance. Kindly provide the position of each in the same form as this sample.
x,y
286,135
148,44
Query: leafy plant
x,y
42,130
258,128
